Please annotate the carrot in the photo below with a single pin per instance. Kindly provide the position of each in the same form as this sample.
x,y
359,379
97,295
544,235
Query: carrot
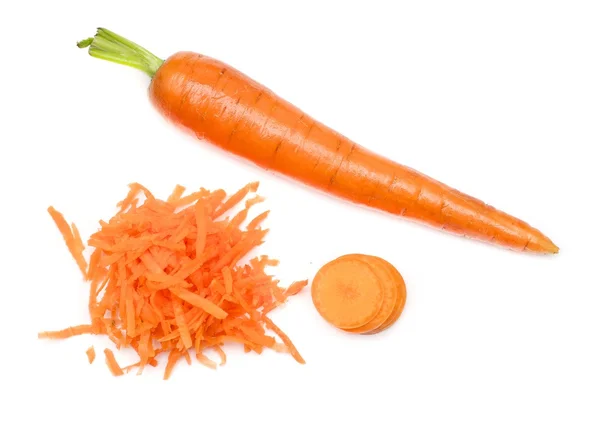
x,y
166,278
347,293
390,292
91,354
229,109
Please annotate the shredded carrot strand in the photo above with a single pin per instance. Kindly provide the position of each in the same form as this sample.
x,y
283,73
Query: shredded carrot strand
x,y
200,215
235,199
176,194
91,354
295,288
256,222
200,302
221,354
174,356
286,340
72,240
204,360
68,332
184,331
228,280
112,363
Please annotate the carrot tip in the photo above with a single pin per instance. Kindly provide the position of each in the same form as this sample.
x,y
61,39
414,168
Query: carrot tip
x,y
541,244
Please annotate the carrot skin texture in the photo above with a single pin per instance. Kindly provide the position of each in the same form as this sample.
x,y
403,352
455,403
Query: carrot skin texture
x,y
227,108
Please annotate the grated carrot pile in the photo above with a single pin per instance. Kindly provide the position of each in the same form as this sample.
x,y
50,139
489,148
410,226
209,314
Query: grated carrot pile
x,y
166,279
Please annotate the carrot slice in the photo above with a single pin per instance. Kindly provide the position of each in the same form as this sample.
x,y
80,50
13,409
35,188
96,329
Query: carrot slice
x,y
390,292
347,293
400,301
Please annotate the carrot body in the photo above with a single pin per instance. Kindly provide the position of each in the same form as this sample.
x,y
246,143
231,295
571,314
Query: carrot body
x,y
227,108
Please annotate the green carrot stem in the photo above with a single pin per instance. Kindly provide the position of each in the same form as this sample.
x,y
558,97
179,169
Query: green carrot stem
x,y
109,46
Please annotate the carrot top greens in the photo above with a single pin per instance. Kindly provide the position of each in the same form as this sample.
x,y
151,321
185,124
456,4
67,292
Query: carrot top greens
x,y
109,46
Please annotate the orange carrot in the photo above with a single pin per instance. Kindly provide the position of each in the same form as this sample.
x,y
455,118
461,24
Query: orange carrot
x,y
229,109
166,278
347,293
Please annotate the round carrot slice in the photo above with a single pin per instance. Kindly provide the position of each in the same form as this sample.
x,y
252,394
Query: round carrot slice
x,y
390,292
400,300
347,293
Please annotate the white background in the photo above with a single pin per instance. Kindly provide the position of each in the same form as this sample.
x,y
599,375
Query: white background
x,y
498,99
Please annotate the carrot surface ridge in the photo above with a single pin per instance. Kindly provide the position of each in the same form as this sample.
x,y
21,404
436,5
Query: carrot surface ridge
x,y
169,280
227,108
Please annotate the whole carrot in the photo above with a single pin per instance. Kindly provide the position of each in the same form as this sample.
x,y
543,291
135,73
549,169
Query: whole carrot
x,y
229,109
